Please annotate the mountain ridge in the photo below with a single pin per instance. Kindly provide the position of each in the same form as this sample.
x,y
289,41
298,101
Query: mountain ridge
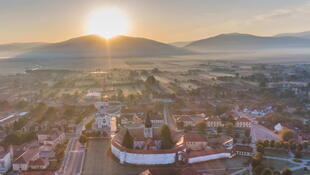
x,y
239,41
96,46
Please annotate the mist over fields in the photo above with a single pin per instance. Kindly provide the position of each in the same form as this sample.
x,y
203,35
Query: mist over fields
x,y
91,52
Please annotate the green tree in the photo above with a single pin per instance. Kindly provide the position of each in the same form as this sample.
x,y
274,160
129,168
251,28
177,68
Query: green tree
x,y
286,171
127,140
267,171
260,148
258,169
256,160
247,132
201,126
229,128
287,134
165,136
180,124
83,139
305,144
219,129
219,110
89,124
298,154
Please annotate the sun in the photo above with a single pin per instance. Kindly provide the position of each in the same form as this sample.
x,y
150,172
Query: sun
x,y
107,22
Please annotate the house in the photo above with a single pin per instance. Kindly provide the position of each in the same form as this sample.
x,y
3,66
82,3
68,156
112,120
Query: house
x,y
242,150
39,164
214,122
242,122
156,118
47,152
22,162
186,119
5,161
51,137
195,141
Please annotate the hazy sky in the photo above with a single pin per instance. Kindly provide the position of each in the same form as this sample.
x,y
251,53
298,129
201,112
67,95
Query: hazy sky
x,y
162,20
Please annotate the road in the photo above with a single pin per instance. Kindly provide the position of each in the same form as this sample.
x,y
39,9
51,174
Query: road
x,y
75,152
168,118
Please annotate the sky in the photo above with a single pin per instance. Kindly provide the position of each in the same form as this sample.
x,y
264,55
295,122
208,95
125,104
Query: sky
x,y
161,20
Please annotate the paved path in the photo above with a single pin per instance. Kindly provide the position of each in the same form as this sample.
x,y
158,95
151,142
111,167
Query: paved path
x,y
168,118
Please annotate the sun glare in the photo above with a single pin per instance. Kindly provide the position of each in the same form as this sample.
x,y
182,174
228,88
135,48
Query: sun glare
x,y
108,22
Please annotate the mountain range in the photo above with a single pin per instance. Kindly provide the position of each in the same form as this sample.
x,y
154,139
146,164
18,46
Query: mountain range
x,y
247,42
305,34
96,46
125,46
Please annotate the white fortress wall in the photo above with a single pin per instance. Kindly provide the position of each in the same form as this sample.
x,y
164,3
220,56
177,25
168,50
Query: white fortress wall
x,y
209,157
144,159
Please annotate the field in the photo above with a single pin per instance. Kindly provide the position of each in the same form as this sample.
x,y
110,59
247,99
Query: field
x,y
223,166
276,153
306,156
277,164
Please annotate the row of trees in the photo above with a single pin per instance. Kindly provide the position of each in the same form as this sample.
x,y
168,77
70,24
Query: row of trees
x,y
260,169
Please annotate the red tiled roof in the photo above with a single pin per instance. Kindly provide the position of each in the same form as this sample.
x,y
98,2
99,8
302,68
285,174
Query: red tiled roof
x,y
38,162
194,137
243,148
206,152
20,160
242,119
27,156
186,118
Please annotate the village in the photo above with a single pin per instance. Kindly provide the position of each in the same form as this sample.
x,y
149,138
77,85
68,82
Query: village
x,y
213,118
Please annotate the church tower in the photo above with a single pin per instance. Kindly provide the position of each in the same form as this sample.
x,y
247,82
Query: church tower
x,y
148,130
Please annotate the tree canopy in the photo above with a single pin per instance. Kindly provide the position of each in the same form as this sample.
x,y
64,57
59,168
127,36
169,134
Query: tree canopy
x,y
165,136
127,140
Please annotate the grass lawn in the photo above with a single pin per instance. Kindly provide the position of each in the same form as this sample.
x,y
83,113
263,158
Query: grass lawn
x,y
277,164
305,156
301,172
276,153
223,166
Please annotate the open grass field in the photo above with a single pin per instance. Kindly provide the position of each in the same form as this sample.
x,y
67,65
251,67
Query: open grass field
x,y
306,156
277,164
276,153
301,172
223,166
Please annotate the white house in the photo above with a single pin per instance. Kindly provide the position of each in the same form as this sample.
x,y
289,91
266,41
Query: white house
x,y
52,137
22,162
278,127
5,161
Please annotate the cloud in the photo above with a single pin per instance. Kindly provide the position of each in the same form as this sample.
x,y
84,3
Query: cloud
x,y
300,11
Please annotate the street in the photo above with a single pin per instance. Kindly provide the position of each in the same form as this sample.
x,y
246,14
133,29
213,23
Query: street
x,y
168,118
75,152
